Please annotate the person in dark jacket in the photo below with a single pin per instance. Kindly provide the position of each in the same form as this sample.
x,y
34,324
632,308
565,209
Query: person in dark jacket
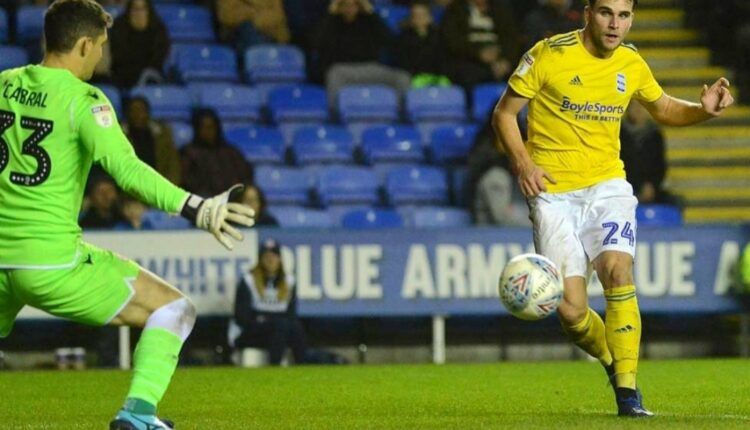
x,y
139,44
265,308
550,18
419,49
209,163
254,197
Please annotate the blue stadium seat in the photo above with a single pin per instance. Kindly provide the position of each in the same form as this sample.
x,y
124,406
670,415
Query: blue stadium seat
x,y
392,144
436,216
298,103
451,144
157,220
275,63
285,185
322,144
658,215
3,26
484,97
168,102
205,62
12,56
259,145
338,185
368,103
393,16
417,185
289,129
187,23
433,104
113,94
29,23
233,103
182,133
298,217
365,219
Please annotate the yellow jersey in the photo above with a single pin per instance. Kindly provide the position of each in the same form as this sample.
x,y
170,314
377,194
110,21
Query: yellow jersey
x,y
576,103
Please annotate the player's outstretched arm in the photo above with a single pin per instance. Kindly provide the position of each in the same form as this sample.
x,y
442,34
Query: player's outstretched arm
x,y
668,110
216,215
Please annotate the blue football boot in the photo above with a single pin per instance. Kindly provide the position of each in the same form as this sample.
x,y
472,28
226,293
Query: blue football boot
x,y
629,401
129,421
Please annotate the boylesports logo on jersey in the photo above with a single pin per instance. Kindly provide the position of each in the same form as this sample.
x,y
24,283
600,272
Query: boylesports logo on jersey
x,y
588,107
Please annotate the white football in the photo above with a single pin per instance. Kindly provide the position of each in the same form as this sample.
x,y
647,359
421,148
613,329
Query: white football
x,y
531,287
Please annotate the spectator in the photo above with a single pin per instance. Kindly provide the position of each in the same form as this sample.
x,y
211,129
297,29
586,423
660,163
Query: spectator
x,y
254,197
139,45
103,211
481,39
643,153
351,41
265,308
419,50
246,23
550,18
152,140
209,164
132,211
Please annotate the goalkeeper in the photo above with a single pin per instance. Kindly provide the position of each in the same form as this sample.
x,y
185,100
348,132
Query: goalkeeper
x,y
53,127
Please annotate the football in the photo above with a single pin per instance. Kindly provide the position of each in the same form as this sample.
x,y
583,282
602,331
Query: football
x,y
530,287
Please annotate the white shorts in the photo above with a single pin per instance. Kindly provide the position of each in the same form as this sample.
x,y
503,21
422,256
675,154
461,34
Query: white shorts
x,y
573,228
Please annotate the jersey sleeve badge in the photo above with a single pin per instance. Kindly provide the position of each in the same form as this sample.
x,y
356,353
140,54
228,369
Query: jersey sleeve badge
x,y
103,115
525,65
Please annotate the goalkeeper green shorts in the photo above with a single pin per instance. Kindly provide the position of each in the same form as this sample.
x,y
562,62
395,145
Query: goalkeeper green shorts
x,y
93,291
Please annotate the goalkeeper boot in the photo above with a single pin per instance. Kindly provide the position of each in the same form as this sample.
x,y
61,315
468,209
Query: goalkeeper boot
x,y
630,403
129,421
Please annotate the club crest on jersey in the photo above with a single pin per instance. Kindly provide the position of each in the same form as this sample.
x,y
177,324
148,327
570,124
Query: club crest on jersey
x,y
103,115
621,83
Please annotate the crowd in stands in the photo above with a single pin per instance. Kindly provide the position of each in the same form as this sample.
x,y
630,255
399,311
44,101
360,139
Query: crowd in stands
x,y
278,94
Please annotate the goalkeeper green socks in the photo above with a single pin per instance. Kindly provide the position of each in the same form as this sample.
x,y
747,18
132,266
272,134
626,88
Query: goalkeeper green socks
x,y
155,360
589,335
623,333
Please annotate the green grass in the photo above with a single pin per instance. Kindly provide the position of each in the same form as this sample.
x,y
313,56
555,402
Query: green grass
x,y
705,394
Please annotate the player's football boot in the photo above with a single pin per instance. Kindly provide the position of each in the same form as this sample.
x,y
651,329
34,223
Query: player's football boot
x,y
629,402
129,421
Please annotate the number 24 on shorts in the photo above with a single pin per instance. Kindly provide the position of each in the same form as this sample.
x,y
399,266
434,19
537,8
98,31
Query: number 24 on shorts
x,y
626,233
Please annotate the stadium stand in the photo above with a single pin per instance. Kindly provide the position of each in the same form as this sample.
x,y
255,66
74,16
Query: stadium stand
x,y
258,144
417,185
187,23
235,104
298,103
432,217
363,219
30,24
368,103
275,63
339,185
12,56
322,144
168,102
285,185
3,26
433,104
656,215
392,144
451,144
205,62
297,217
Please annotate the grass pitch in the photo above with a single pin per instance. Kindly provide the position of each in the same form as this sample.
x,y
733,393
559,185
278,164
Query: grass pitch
x,y
705,394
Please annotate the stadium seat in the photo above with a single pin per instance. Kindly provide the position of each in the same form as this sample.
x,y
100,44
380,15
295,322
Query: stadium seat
x,y
364,219
285,185
233,103
436,104
3,26
658,215
168,102
29,24
392,144
289,129
298,103
338,185
274,63
182,133
157,220
435,216
451,144
368,103
393,16
205,62
298,217
417,185
458,186
322,144
259,145
484,97
12,56
186,23
113,94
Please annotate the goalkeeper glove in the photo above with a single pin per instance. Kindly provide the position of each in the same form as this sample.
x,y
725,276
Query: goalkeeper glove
x,y
215,214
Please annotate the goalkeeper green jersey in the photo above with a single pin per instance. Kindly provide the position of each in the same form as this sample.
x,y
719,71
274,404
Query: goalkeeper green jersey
x,y
53,127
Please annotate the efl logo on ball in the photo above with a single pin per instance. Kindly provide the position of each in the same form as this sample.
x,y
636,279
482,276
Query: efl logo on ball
x,y
531,287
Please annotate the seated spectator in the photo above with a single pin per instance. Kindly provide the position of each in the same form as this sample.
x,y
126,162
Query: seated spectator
x,y
132,211
351,41
549,18
419,50
481,40
152,140
209,164
265,308
643,153
254,197
246,23
103,211
139,45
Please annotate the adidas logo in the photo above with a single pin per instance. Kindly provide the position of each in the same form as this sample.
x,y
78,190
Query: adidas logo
x,y
628,328
576,81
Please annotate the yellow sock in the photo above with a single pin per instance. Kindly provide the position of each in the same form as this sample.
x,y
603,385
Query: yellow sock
x,y
623,333
589,335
